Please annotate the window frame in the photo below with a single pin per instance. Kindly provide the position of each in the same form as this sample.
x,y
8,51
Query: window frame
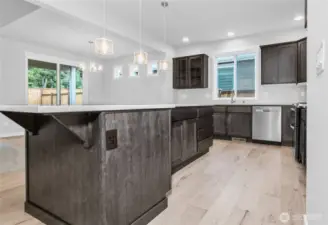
x,y
58,61
256,51
115,69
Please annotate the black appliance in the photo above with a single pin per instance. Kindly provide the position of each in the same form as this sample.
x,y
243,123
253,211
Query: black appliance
x,y
298,140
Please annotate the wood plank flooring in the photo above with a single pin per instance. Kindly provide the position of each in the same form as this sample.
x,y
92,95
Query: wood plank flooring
x,y
235,184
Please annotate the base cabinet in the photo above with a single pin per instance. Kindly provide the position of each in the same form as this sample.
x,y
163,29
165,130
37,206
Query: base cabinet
x,y
190,139
177,142
192,134
220,126
239,125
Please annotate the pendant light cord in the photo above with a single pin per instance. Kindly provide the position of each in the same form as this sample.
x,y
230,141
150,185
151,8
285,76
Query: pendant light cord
x,y
105,17
140,27
165,26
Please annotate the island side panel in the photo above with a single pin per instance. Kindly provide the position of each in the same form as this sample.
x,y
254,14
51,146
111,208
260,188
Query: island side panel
x,y
138,171
64,178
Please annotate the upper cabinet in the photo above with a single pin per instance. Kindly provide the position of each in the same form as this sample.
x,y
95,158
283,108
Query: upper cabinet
x,y
301,61
190,72
306,13
284,63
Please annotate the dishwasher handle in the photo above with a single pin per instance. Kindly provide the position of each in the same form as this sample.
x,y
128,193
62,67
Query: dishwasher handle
x,y
264,110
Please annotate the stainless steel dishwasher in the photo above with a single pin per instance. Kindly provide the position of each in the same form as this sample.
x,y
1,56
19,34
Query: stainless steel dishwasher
x,y
267,123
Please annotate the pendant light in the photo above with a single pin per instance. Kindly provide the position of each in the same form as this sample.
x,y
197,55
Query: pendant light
x,y
163,65
92,66
140,57
104,46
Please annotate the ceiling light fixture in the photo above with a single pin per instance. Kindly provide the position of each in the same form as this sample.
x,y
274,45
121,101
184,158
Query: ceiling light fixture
x,y
163,65
231,34
103,45
298,18
140,57
92,67
185,40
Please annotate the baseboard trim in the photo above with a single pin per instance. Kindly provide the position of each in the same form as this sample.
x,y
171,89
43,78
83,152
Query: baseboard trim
x,y
305,220
15,134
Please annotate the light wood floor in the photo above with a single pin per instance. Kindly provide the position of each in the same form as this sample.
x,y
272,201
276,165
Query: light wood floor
x,y
235,184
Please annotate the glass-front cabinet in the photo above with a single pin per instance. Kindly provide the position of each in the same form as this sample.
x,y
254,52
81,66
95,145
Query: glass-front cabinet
x,y
190,72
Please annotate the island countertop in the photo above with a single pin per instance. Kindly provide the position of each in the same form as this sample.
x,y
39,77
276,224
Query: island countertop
x,y
78,108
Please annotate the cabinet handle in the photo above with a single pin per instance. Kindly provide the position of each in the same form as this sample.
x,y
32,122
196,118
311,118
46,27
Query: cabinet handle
x,y
292,127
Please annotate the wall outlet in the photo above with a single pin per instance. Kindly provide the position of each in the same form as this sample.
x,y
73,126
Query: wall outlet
x,y
302,94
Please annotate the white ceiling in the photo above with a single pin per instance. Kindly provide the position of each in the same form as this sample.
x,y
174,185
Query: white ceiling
x,y
57,30
200,20
14,9
70,24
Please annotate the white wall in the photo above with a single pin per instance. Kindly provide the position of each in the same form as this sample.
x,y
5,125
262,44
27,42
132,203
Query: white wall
x,y
267,94
137,90
317,117
13,78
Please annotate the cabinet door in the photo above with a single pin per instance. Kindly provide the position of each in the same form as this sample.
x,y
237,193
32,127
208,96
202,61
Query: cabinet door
x,y
177,142
183,74
220,127
176,79
269,74
287,132
195,64
301,62
190,139
239,125
288,63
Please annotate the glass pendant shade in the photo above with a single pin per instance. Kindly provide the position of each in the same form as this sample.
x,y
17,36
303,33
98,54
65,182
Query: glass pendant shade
x,y
140,58
104,46
163,65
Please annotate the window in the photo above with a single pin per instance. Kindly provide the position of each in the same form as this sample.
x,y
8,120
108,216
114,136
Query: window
x,y
44,88
236,76
152,68
118,72
134,71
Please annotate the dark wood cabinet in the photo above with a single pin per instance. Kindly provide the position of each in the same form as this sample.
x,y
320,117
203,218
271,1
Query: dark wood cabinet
x,y
177,142
301,61
220,127
184,141
287,132
190,72
239,125
279,63
287,63
181,77
190,139
270,68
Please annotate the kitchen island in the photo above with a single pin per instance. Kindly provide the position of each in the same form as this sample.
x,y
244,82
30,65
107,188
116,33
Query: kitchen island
x,y
99,165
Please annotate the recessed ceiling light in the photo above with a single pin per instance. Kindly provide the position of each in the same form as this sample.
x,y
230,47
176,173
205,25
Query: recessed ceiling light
x,y
185,40
231,34
298,18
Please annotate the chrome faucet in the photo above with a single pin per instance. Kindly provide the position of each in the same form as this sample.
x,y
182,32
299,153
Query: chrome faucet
x,y
232,97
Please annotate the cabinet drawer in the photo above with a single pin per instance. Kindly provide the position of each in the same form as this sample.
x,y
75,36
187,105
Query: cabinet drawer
x,y
240,109
179,114
204,111
205,144
204,133
219,109
205,122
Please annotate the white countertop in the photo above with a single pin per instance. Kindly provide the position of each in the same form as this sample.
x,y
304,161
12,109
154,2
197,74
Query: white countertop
x,y
78,108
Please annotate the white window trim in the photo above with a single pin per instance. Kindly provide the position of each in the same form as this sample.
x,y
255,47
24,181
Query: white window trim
x,y
257,52
58,61
150,69
114,72
131,66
